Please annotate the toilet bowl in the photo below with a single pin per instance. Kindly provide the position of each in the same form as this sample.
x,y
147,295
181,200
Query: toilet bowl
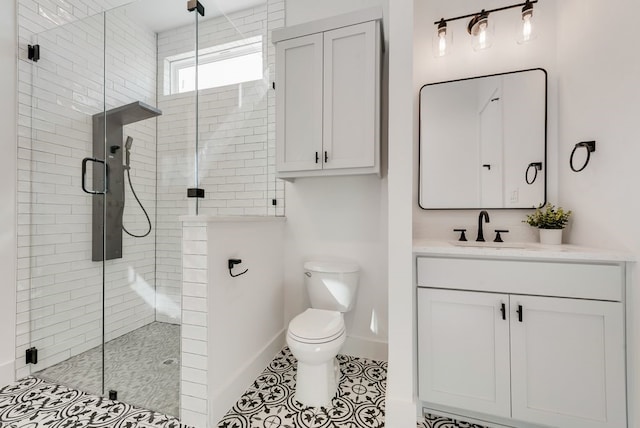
x,y
316,335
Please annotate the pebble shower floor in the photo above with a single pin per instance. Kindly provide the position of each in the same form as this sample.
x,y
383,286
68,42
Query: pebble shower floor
x,y
268,403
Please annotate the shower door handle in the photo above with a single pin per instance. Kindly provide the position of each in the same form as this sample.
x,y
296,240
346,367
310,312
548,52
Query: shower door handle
x,y
84,176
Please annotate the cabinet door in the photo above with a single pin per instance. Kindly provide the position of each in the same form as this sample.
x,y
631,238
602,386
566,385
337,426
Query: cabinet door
x,y
567,362
299,104
351,94
463,350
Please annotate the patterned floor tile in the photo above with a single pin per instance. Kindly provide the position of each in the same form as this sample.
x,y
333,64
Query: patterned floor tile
x,y
270,402
33,403
433,421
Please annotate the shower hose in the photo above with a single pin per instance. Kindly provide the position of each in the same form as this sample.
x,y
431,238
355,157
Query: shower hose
x,y
141,206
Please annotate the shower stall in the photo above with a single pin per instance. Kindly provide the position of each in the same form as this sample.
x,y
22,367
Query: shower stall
x,y
129,119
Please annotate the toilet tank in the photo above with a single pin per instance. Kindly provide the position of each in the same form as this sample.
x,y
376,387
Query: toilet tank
x,y
331,285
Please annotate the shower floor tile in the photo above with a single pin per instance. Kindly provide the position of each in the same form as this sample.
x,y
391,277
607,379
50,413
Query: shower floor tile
x,y
269,401
33,402
143,366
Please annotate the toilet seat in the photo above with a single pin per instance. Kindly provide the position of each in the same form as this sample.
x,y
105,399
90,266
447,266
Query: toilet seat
x,y
317,326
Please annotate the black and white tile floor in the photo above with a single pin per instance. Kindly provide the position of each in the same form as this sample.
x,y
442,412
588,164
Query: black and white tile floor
x,y
268,403
35,403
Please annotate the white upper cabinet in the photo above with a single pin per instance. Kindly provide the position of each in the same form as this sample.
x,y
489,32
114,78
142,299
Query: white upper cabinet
x,y
299,103
328,98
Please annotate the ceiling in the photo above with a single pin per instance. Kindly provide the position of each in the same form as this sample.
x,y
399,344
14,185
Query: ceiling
x,y
162,15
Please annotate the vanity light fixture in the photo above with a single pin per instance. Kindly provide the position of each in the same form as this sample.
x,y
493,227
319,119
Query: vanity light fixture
x,y
480,28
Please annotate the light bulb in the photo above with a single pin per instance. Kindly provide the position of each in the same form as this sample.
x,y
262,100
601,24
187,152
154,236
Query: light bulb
x,y
526,28
442,45
482,36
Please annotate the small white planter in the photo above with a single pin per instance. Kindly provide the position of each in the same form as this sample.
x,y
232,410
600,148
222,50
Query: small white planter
x,y
550,236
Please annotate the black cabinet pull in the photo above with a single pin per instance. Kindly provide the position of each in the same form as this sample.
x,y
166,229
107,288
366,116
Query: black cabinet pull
x,y
503,310
519,312
326,157
317,157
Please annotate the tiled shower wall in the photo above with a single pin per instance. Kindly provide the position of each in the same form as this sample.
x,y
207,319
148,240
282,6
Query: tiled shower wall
x,y
236,141
58,96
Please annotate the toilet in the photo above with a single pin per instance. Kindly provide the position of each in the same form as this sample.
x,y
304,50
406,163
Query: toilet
x,y
316,335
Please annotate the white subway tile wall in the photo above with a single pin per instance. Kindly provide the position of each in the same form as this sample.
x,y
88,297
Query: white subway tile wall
x,y
194,354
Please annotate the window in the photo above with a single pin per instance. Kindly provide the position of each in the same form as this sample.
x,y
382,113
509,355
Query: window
x,y
220,65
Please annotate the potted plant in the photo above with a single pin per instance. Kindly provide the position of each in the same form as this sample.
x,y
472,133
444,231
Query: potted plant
x,y
550,221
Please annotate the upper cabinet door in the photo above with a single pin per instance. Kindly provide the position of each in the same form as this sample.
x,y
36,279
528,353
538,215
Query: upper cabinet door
x,y
463,350
568,364
351,96
299,103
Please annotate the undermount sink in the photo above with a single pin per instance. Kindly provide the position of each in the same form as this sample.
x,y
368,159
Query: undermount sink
x,y
497,245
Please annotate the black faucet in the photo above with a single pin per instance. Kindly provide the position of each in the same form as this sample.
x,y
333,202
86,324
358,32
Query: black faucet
x,y
485,215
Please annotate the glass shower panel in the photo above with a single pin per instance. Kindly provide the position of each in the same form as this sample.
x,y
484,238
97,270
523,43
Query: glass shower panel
x,y
234,89
66,285
151,141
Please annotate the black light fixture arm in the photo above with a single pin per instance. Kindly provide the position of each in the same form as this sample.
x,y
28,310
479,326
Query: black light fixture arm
x,y
483,11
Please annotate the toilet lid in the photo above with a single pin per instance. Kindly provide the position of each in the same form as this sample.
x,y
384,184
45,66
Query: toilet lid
x,y
316,326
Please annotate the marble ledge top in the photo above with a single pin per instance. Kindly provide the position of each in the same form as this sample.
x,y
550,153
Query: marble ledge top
x,y
229,219
524,250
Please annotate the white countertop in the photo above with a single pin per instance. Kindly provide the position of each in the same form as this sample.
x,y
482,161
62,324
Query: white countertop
x,y
515,250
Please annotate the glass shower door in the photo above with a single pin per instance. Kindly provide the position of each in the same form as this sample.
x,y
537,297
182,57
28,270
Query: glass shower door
x,y
56,216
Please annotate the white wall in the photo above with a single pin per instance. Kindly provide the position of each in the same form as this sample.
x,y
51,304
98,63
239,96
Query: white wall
x,y
8,191
599,93
340,218
401,376
246,313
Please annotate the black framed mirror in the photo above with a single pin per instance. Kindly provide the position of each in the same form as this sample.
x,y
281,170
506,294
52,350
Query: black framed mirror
x,y
483,142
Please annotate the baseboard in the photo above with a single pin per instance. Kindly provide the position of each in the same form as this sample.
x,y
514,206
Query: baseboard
x,y
221,402
365,348
7,373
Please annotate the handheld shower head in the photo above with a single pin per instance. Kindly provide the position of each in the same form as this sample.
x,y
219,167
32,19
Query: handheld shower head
x,y
128,143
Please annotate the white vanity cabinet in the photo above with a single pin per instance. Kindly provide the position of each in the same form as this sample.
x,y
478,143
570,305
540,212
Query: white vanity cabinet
x,y
524,343
328,97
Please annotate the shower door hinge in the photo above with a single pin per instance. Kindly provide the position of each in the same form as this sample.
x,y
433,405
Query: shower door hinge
x,y
32,355
34,53
195,193
195,5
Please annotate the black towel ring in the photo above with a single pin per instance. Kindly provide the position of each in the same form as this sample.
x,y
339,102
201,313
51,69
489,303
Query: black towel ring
x,y
537,166
590,146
